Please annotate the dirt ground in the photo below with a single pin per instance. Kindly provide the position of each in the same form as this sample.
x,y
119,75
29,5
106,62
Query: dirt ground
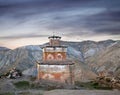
x,y
6,85
82,92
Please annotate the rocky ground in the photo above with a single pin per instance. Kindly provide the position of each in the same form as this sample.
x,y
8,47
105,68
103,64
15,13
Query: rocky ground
x,y
7,87
81,92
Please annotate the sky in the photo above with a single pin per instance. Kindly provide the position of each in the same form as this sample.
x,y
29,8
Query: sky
x,y
30,22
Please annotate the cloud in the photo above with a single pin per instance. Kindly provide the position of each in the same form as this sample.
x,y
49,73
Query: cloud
x,y
71,17
23,36
105,22
24,8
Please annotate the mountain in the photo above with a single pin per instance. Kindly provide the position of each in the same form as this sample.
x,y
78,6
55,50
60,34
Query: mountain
x,y
22,58
3,51
90,58
109,59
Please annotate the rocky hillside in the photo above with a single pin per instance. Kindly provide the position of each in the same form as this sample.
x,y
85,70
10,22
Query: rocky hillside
x,y
22,58
90,58
3,51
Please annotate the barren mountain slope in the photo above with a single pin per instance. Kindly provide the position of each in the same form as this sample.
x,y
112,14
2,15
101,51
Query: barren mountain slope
x,y
90,57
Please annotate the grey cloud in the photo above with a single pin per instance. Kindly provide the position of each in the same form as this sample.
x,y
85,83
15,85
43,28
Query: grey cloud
x,y
40,6
106,22
23,36
99,23
24,8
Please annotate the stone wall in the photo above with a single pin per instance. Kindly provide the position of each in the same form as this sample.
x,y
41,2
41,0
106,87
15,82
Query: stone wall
x,y
59,73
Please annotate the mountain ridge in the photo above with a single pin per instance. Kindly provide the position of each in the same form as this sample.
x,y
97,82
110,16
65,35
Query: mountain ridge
x,y
86,54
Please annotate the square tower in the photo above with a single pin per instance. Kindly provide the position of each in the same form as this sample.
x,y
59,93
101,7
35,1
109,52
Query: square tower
x,y
54,66
54,52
